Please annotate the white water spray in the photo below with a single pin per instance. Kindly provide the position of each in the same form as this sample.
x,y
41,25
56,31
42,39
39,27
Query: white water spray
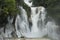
x,y
22,23
38,29
9,27
28,2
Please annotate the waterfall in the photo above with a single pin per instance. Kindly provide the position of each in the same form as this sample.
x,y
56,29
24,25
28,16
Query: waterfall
x,y
28,2
9,27
37,17
22,23
52,30
37,14
38,29
34,18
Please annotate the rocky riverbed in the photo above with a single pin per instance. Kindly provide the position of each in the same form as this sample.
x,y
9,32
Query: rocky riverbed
x,y
25,39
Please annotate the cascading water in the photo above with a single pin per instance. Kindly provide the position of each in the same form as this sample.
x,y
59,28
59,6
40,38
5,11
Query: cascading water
x,y
37,17
18,21
28,2
22,23
38,29
9,27
34,18
52,30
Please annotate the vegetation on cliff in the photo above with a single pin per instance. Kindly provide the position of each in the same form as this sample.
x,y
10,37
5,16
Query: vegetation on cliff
x,y
9,8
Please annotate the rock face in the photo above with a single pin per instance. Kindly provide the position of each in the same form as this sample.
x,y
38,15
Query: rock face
x,y
38,39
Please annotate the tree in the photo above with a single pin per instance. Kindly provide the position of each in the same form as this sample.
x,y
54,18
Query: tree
x,y
7,7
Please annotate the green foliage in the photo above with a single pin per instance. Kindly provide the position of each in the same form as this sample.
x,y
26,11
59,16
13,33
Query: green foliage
x,y
10,6
7,7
